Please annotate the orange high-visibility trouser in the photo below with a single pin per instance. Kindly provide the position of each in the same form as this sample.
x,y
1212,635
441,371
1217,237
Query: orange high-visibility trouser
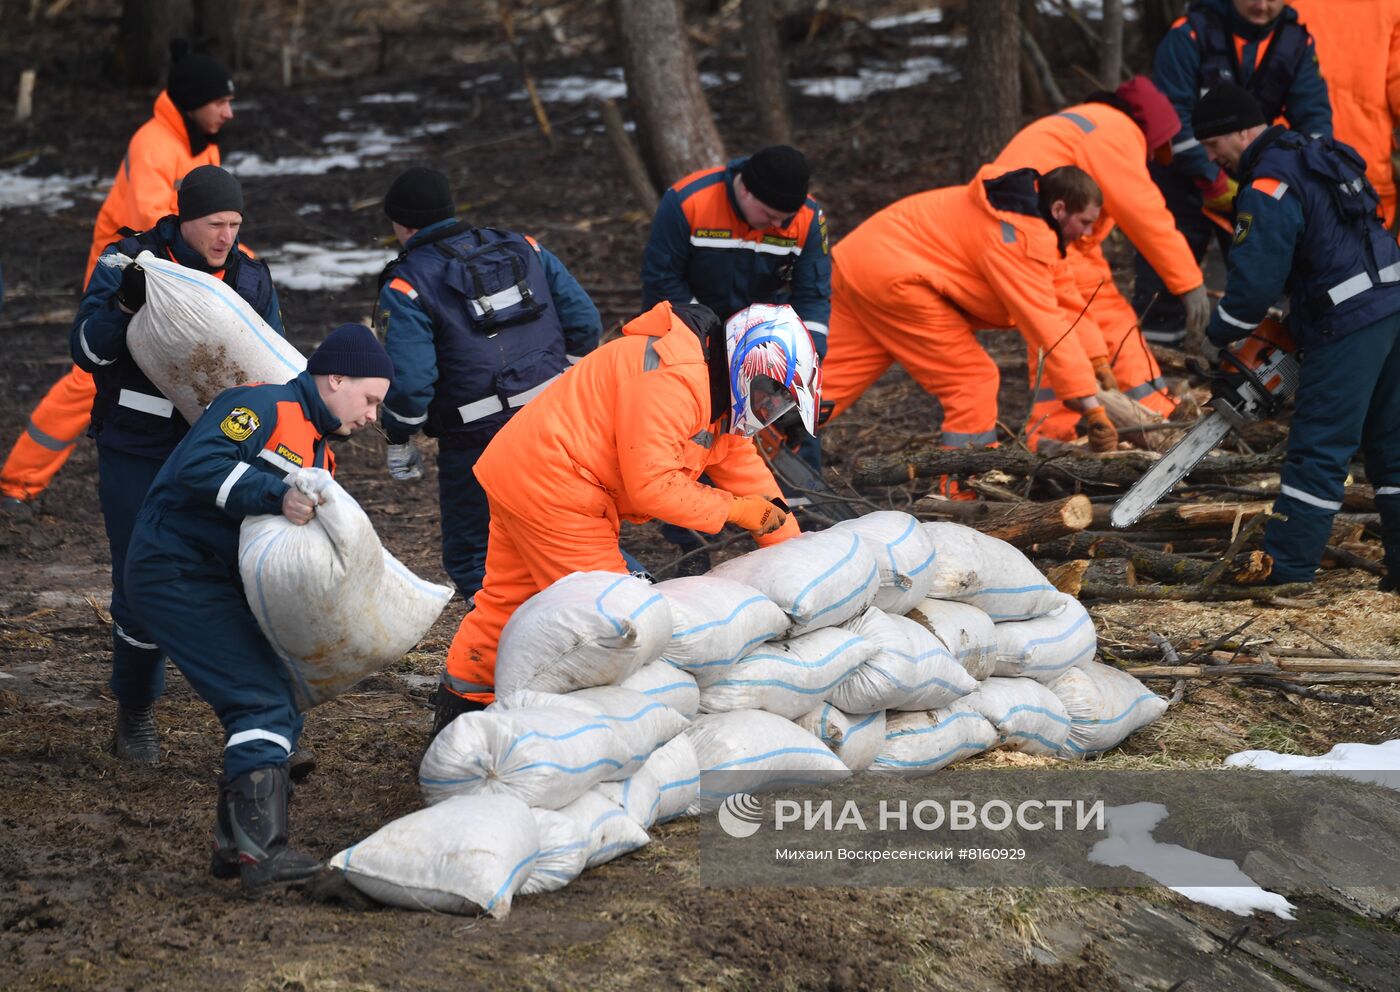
x,y
935,343
48,439
523,556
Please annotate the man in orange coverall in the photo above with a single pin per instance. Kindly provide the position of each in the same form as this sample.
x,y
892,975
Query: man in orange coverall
x,y
1358,51
1111,136
912,283
181,135
626,434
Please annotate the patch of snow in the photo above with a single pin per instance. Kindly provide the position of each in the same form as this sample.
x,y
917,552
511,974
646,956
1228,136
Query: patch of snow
x,y
308,208
938,41
613,86
932,15
490,77
1091,9
345,114
316,267
248,165
390,98
1378,764
53,192
849,89
1219,882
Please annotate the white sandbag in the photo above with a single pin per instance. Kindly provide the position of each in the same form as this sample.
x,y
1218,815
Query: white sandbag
x,y
1105,705
563,853
587,629
854,738
753,751
639,796
607,830
332,602
904,554
1027,715
964,630
469,854
665,683
972,567
676,770
911,670
785,677
819,580
641,723
918,744
715,621
196,337
1043,648
543,757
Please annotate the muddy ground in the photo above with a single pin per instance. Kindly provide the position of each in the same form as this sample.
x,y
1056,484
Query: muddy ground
x,y
103,881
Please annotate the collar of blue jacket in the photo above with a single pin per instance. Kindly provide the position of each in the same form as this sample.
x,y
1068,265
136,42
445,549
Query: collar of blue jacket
x,y
316,410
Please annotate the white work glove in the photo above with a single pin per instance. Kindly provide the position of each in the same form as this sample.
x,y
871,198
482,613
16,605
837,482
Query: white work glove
x,y
405,462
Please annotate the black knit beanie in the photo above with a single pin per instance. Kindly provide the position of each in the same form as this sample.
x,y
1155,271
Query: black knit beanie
x,y
1224,110
419,197
195,80
353,350
208,190
778,176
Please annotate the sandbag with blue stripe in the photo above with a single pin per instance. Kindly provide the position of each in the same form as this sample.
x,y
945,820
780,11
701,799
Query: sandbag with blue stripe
x,y
469,854
715,621
972,567
911,669
607,829
751,751
820,579
1105,705
918,744
1046,647
903,552
786,677
855,738
1027,715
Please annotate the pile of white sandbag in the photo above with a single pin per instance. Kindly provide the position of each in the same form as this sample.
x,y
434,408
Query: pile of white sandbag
x,y
882,644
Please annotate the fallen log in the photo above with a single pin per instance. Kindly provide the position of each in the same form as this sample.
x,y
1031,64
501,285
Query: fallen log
x,y
1130,416
1195,593
1349,559
1189,515
1256,671
1247,568
1297,663
1124,470
1109,572
1020,524
1068,577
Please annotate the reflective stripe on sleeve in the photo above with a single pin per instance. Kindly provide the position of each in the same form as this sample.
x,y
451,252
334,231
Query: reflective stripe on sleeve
x,y
1233,322
229,481
83,342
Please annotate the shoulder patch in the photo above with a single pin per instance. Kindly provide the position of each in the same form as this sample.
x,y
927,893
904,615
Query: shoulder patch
x,y
1243,223
240,424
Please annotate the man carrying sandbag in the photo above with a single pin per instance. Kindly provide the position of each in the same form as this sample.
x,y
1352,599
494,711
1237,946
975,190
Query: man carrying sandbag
x,y
136,426
626,435
182,577
478,322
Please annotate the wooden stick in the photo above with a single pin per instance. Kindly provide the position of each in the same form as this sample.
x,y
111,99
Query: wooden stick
x,y
24,102
536,104
1195,594
626,150
1344,698
1022,524
1125,469
1348,559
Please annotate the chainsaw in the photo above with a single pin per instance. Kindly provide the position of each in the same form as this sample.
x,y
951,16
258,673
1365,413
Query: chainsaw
x,y
801,484
1255,380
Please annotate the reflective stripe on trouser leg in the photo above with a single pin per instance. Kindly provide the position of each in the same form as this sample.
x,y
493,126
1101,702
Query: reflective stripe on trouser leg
x,y
524,556
138,665
196,610
1338,383
54,427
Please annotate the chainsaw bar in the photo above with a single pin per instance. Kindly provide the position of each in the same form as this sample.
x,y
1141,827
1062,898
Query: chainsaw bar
x,y
1157,481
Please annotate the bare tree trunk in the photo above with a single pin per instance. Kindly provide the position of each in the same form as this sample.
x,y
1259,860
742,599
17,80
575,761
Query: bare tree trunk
x,y
675,127
216,31
1111,59
1157,18
143,41
764,69
992,80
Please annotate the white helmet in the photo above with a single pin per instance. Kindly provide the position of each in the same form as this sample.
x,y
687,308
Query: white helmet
x,y
772,368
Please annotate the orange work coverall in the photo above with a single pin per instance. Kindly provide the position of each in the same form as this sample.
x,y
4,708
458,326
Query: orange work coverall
x,y
912,284
1110,146
1358,51
146,189
623,435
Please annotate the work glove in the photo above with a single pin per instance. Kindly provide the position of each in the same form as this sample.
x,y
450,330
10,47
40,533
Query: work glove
x,y
1220,195
1103,436
756,514
1104,374
131,294
405,462
1197,306
1210,351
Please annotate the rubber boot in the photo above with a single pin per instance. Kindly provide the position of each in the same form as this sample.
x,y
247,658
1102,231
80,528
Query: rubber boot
x,y
1389,583
223,862
447,707
136,739
257,810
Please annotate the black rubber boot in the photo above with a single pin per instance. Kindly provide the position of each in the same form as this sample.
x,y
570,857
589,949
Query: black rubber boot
x,y
447,707
257,811
1389,583
223,862
301,764
136,739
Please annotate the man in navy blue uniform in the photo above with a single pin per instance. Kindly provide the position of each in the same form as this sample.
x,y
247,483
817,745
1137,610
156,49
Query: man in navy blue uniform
x,y
1306,222
1261,46
136,426
738,234
478,322
182,577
